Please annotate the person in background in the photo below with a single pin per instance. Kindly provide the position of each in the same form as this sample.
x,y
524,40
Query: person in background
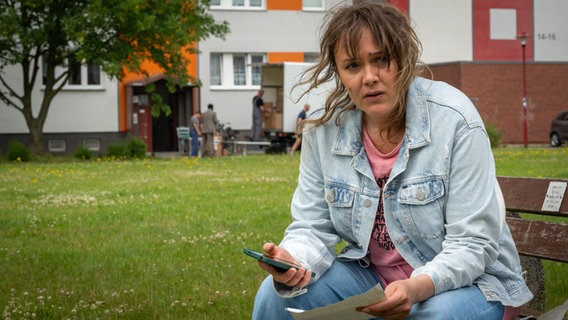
x,y
195,132
209,128
257,114
299,124
387,172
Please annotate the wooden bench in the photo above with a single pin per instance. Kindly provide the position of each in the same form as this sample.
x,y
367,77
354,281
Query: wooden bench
x,y
243,145
535,239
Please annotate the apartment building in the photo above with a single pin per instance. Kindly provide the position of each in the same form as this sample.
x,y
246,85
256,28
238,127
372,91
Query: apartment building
x,y
472,44
262,31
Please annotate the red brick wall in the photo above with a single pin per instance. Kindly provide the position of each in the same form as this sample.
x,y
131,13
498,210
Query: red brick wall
x,y
497,91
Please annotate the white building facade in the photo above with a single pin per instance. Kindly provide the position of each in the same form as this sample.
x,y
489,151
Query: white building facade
x,y
274,31
261,31
88,108
450,30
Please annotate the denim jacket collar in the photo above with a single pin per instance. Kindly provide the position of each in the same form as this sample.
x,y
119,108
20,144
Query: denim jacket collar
x,y
417,123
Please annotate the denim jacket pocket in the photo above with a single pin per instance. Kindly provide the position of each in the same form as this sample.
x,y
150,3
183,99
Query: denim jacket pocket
x,y
340,199
421,193
420,204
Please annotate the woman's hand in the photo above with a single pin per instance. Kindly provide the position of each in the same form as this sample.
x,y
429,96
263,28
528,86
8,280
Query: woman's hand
x,y
293,277
401,295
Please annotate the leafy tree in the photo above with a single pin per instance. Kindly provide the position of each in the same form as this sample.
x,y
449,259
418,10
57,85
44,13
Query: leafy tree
x,y
118,35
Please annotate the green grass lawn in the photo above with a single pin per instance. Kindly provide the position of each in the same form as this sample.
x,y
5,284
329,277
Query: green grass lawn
x,y
160,238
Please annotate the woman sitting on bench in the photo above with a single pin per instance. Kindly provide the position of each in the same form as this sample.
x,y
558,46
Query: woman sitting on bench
x,y
399,168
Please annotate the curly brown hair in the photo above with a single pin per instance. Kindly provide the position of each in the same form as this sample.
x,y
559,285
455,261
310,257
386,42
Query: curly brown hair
x,y
344,26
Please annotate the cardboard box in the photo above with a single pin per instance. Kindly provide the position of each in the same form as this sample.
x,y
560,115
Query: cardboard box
x,y
268,107
277,121
272,119
217,145
266,121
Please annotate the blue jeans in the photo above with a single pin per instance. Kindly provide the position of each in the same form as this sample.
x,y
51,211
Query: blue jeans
x,y
345,279
194,142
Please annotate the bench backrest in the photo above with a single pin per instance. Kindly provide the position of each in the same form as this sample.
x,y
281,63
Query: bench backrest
x,y
547,240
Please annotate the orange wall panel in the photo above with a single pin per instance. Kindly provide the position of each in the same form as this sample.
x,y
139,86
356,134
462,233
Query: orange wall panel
x,y
276,57
152,69
284,5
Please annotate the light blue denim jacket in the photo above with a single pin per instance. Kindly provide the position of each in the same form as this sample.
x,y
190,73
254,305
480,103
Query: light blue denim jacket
x,y
441,202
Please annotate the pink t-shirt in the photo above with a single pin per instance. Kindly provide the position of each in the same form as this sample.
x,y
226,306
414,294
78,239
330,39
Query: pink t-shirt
x,y
388,263
386,260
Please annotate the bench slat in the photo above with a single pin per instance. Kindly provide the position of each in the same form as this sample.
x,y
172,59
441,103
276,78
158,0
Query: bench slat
x,y
540,239
534,238
528,194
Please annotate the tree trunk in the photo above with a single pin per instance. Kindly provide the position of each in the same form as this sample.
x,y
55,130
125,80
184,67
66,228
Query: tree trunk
x,y
35,124
36,138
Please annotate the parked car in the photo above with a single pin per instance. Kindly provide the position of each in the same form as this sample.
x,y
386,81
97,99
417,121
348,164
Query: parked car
x,y
559,129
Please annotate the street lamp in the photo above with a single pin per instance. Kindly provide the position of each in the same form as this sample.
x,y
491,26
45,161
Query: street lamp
x,y
523,37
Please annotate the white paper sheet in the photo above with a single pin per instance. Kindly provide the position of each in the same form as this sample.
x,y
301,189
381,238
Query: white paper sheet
x,y
557,313
343,310
554,196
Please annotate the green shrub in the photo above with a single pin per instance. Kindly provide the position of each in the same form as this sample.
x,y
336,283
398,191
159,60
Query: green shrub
x,y
136,148
494,134
117,150
83,153
128,149
17,151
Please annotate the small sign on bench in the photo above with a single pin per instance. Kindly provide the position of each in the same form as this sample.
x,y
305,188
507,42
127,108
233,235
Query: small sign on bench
x,y
554,196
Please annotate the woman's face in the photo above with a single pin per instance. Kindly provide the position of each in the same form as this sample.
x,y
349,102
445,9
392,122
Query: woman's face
x,y
369,77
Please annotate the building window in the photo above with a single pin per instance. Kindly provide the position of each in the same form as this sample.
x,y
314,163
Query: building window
x,y
235,70
256,62
312,4
80,75
311,56
215,69
237,4
83,74
93,74
43,71
92,144
56,145
239,70
74,72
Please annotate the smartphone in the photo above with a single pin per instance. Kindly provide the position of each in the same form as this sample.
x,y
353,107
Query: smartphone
x,y
278,264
